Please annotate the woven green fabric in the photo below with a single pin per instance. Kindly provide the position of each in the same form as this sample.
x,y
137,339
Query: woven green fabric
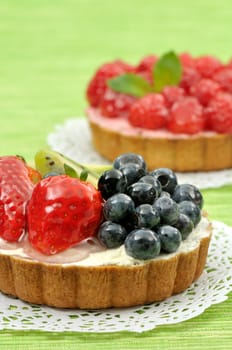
x,y
48,51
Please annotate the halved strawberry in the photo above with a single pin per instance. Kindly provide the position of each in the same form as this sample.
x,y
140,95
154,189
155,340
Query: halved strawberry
x,y
62,212
15,191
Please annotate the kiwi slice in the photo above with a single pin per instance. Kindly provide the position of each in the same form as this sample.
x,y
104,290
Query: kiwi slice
x,y
50,162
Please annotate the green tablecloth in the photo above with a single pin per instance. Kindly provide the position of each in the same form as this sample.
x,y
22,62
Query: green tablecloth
x,y
48,51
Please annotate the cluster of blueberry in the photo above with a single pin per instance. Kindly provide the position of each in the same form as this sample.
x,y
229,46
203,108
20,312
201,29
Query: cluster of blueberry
x,y
148,212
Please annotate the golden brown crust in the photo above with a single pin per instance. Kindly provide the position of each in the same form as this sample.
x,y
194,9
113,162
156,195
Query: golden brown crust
x,y
101,286
200,153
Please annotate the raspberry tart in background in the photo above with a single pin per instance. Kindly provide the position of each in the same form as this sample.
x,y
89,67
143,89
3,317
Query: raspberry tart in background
x,y
130,237
176,111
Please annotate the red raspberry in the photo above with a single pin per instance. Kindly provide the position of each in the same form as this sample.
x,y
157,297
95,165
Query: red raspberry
x,y
149,112
190,76
147,75
186,116
229,64
224,78
207,65
173,94
145,68
186,59
204,90
147,64
114,104
98,84
62,212
219,113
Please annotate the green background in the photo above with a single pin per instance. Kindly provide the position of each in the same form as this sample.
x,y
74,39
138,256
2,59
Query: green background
x,y
48,51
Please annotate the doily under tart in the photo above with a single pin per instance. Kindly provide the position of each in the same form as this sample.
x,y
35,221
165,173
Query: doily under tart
x,y
73,139
211,288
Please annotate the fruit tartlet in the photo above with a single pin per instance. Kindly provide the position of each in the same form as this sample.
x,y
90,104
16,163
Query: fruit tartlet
x,y
176,111
133,237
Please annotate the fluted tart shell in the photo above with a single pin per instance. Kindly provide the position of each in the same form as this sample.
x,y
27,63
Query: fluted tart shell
x,y
200,152
89,287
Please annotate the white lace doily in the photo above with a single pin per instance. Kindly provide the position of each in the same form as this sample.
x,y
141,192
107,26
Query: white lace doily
x,y
73,139
211,288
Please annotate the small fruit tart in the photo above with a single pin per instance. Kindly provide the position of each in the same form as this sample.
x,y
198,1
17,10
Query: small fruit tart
x,y
176,111
135,238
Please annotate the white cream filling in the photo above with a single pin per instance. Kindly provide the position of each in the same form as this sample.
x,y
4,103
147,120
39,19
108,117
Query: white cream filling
x,y
91,253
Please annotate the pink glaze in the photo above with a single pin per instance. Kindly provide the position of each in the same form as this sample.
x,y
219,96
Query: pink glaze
x,y
121,124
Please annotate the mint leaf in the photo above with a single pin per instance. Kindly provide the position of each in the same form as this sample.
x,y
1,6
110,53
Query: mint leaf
x,y
83,175
130,84
70,171
167,71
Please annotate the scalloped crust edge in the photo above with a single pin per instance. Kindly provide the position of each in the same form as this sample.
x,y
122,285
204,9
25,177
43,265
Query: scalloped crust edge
x,y
200,153
101,286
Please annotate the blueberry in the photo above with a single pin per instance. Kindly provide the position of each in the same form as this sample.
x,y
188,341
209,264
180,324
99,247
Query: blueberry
x,y
165,194
130,222
170,238
186,192
111,235
111,182
132,172
191,210
167,209
142,244
126,158
154,182
147,216
118,207
166,177
142,192
184,224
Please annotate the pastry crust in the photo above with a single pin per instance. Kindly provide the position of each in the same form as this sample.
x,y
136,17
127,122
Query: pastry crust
x,y
72,286
193,153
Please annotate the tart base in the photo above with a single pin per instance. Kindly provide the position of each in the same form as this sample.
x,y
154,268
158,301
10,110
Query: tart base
x,y
69,286
195,153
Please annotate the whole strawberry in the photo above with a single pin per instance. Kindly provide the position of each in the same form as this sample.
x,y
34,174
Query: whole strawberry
x,y
62,212
15,190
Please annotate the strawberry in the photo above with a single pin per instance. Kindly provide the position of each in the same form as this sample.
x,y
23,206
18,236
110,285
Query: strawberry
x,y
114,104
98,84
149,112
15,190
219,113
186,116
62,212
